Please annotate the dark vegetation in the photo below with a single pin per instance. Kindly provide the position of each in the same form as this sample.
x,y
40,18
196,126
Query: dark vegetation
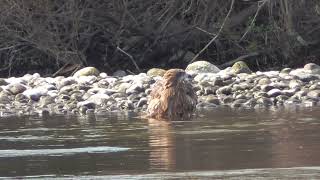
x,y
134,35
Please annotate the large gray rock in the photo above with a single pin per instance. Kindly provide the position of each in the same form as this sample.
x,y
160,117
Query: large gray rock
x,y
201,67
305,75
16,88
87,71
312,68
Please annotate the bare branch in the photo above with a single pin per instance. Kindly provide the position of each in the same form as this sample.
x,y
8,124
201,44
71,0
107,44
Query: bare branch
x,y
130,57
215,37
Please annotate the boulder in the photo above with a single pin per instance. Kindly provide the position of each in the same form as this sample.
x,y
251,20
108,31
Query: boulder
x,y
16,88
240,67
312,68
201,67
156,72
87,71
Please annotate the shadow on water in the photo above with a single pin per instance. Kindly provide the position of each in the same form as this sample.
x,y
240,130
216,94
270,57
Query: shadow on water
x,y
216,143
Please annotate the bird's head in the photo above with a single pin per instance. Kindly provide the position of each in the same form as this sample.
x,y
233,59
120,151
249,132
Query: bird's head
x,y
175,76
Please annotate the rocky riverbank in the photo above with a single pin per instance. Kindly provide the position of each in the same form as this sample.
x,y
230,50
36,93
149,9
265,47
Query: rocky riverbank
x,y
89,91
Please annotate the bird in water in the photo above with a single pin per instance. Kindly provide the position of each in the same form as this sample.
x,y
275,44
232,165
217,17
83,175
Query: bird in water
x,y
172,97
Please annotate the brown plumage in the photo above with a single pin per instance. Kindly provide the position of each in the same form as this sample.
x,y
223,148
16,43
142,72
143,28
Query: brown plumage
x,y
172,97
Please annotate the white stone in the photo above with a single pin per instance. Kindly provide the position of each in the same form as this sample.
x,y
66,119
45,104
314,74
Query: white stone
x,y
274,92
103,75
35,93
36,75
201,67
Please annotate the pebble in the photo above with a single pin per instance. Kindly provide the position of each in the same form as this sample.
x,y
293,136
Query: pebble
x,y
92,91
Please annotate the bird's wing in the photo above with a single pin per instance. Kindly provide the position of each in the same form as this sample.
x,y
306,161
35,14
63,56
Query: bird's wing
x,y
191,95
156,89
154,102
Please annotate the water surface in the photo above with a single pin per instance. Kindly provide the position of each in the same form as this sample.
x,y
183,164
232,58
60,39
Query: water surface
x,y
281,143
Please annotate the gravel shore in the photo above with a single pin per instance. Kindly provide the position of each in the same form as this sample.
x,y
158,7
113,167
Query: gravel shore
x,y
90,91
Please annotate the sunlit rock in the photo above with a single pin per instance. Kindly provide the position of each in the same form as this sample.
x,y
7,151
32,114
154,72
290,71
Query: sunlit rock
x,y
312,68
201,67
240,67
35,94
16,88
156,72
87,71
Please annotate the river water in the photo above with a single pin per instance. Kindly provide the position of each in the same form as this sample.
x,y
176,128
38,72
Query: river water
x,y
223,143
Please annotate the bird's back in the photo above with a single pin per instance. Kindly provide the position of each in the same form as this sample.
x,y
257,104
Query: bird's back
x,y
176,101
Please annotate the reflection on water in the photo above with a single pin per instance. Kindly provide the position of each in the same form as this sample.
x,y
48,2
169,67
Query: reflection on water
x,y
222,143
161,144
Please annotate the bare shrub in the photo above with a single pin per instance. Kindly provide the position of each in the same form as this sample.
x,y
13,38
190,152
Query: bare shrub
x,y
44,35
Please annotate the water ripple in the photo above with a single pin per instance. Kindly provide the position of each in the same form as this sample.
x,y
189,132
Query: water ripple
x,y
59,152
